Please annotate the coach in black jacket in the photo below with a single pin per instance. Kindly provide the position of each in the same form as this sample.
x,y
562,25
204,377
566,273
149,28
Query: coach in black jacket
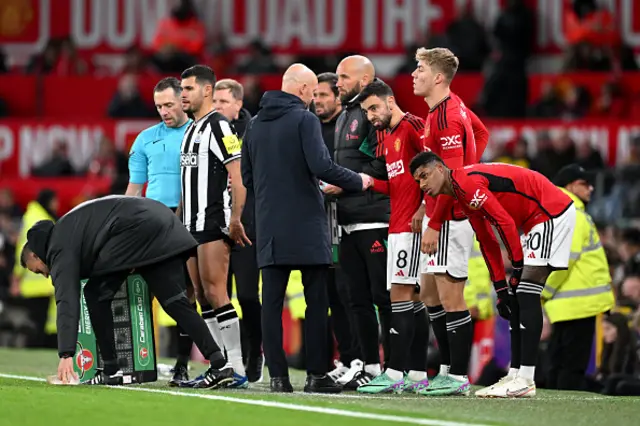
x,y
364,219
104,240
283,156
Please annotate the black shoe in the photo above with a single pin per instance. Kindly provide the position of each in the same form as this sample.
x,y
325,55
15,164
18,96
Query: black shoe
x,y
321,384
106,379
255,364
361,378
215,379
281,384
180,375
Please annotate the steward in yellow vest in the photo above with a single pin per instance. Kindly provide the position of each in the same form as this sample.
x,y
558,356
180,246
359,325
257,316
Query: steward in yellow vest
x,y
478,289
574,298
36,290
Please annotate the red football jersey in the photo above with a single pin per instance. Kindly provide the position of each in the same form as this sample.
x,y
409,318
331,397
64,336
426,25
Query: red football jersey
x,y
399,146
458,136
510,198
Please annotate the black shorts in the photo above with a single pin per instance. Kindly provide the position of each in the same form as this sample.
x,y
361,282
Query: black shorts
x,y
208,236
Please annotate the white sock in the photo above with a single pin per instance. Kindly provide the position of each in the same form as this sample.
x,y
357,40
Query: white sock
x,y
527,372
513,372
417,376
458,377
214,329
394,374
373,369
444,370
230,331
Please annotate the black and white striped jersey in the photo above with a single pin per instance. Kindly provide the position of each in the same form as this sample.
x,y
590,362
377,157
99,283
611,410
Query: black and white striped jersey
x,y
208,145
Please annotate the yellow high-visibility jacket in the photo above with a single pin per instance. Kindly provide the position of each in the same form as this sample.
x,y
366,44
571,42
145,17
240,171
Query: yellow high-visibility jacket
x,y
31,285
478,289
584,290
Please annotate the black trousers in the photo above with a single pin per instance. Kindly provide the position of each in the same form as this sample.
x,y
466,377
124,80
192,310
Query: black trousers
x,y
569,352
244,265
166,281
274,287
341,322
363,258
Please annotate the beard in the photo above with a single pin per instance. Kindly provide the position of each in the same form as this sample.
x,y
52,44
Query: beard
x,y
327,113
351,94
385,122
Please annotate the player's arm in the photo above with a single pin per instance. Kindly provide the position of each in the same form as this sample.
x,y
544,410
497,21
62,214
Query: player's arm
x,y
451,144
381,186
372,146
480,133
137,167
65,275
318,159
489,247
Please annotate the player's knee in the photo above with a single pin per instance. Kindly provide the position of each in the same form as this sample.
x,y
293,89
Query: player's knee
x,y
535,274
401,292
451,293
428,291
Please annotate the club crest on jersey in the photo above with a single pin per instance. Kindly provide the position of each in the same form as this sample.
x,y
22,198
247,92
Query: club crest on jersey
x,y
478,200
354,125
397,145
198,137
189,160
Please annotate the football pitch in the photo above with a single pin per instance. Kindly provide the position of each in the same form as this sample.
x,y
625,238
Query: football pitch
x,y
26,399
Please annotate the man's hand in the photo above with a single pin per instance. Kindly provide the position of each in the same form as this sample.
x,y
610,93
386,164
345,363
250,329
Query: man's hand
x,y
237,234
429,243
416,220
516,276
331,189
65,371
14,289
503,305
367,181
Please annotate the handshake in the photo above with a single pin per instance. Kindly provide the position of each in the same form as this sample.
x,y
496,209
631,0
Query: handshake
x,y
367,182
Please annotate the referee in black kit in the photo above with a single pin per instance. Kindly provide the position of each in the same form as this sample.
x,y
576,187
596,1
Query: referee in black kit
x,y
283,156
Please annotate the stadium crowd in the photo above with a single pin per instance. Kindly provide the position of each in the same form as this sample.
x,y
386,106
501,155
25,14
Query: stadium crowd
x,y
26,305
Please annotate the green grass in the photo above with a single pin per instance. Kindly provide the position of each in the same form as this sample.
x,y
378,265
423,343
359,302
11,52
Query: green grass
x,y
36,403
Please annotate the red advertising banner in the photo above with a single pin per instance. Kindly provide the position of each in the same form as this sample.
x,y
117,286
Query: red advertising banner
x,y
25,144
289,26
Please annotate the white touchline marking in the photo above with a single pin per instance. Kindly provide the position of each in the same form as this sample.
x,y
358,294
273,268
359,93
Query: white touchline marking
x,y
282,405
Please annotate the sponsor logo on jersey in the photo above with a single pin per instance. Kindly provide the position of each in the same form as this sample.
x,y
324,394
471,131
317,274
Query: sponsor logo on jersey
x,y
395,169
451,142
189,160
232,144
478,200
397,145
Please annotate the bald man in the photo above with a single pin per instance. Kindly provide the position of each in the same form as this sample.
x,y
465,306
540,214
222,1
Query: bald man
x,y
283,156
364,219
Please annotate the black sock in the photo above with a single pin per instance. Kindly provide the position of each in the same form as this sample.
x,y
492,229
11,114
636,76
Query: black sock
x,y
514,331
438,319
184,344
460,333
418,359
528,295
207,311
402,331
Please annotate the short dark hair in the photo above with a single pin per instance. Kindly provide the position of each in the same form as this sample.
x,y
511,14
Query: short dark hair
x,y
168,83
23,256
423,159
631,236
202,73
376,88
331,79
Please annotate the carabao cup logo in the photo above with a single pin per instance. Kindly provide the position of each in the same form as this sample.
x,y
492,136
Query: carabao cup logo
x,y
141,323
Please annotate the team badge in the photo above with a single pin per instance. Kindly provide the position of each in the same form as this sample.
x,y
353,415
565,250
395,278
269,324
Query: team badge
x,y
354,125
198,137
397,145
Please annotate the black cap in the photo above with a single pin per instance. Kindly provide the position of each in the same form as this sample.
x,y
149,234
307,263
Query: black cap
x,y
569,174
